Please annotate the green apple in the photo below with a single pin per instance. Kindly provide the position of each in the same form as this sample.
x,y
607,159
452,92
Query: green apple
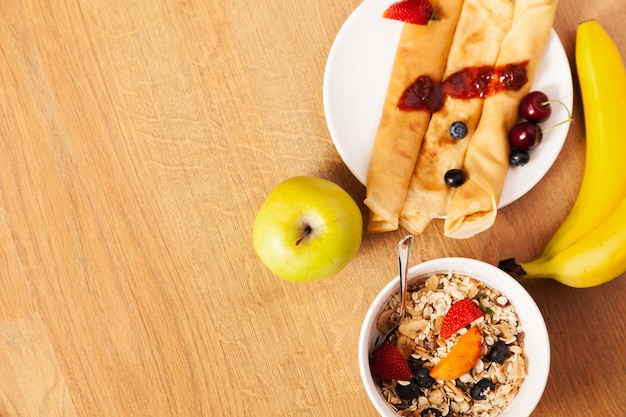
x,y
307,229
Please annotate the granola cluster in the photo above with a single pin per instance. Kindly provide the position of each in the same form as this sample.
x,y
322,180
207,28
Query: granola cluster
x,y
493,382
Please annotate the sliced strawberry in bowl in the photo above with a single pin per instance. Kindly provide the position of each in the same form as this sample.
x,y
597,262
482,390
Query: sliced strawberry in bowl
x,y
387,362
459,315
417,12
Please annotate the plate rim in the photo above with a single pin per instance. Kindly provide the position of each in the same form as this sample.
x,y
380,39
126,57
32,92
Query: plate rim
x,y
553,54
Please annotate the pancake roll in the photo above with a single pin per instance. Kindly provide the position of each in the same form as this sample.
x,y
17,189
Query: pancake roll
x,y
481,27
422,51
474,205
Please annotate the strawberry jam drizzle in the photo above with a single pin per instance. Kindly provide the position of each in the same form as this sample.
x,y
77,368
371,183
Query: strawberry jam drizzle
x,y
468,83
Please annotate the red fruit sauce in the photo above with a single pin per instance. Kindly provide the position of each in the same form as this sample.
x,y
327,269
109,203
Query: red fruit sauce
x,y
470,82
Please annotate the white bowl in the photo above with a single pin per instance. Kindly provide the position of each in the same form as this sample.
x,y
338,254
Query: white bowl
x,y
536,340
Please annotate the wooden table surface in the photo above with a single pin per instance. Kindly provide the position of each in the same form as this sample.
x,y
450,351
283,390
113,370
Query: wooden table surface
x,y
137,141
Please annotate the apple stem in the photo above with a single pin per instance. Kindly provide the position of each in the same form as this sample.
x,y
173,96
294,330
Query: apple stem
x,y
307,231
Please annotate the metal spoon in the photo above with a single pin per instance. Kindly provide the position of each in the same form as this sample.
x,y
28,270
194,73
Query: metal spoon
x,y
404,250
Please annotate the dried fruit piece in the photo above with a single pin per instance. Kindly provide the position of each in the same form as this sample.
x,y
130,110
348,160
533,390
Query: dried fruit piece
x,y
461,357
460,314
387,362
417,12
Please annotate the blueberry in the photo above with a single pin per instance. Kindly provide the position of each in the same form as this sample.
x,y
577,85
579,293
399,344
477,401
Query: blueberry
x,y
498,353
455,177
430,412
415,364
458,130
408,390
423,378
519,157
480,389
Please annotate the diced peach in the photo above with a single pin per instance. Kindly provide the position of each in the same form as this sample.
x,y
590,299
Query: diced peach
x,y
461,358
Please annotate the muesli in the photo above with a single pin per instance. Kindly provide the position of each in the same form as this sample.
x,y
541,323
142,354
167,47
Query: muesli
x,y
496,375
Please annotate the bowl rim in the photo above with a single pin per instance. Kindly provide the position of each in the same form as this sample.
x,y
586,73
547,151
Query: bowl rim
x,y
537,342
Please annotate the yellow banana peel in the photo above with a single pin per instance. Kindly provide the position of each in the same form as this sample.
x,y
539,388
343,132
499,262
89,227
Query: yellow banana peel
x,y
602,78
598,257
589,248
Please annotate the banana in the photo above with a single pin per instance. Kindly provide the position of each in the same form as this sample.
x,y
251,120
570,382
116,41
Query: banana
x,y
589,248
594,259
602,78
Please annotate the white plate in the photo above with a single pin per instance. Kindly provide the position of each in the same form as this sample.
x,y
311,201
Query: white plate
x,y
355,82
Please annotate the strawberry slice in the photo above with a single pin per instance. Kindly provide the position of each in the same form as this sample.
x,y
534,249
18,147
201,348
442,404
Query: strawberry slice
x,y
417,12
387,362
460,314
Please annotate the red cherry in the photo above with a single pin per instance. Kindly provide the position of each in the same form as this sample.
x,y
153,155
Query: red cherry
x,y
525,135
535,107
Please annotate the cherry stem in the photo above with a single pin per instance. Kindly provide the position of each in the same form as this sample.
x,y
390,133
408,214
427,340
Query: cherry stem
x,y
306,232
569,119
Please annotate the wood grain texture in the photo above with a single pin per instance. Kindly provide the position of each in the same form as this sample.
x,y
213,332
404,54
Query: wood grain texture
x,y
137,140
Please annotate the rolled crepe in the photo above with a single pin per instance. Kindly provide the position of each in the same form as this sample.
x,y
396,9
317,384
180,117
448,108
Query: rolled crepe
x,y
474,204
422,50
481,27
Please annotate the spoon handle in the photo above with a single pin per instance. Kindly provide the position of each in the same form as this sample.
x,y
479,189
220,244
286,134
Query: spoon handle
x,y
404,250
